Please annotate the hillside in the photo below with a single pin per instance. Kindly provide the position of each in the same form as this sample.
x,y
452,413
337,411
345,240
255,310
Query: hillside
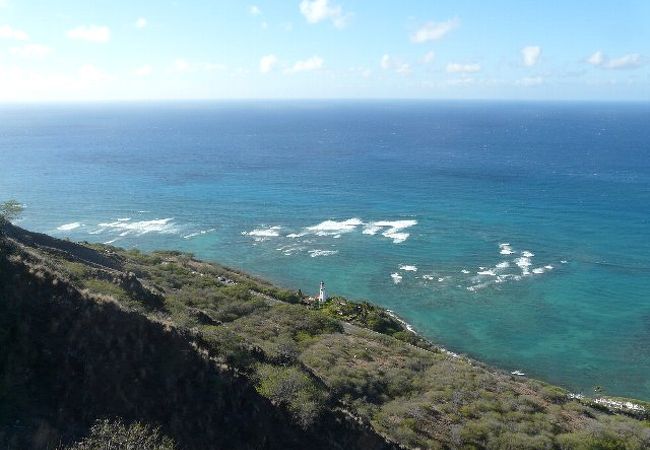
x,y
165,351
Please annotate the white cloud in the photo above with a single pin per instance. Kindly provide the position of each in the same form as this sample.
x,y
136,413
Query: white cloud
x,y
212,67
141,23
31,51
90,33
596,59
360,71
463,81
432,31
181,65
306,65
318,10
387,62
20,84
7,32
428,58
403,69
366,73
463,68
268,63
530,81
254,10
531,54
143,71
629,61
91,74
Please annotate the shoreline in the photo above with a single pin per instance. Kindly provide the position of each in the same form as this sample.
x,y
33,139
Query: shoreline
x,y
355,366
630,406
613,402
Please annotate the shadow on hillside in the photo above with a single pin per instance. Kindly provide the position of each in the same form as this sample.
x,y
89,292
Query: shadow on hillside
x,y
66,360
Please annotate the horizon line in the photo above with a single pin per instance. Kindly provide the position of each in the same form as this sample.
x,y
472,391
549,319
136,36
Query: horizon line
x,y
318,99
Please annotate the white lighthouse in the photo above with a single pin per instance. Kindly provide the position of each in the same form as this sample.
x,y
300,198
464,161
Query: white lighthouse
x,y
322,296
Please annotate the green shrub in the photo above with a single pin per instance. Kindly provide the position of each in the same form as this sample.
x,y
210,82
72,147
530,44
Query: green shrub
x,y
291,387
10,211
105,287
115,435
520,441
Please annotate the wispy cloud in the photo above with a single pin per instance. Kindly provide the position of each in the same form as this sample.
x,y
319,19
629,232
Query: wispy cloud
x,y
306,65
364,72
181,65
7,32
31,51
530,81
463,68
18,83
432,31
318,10
254,10
428,57
141,23
530,55
629,61
143,71
596,59
90,33
387,62
268,63
92,74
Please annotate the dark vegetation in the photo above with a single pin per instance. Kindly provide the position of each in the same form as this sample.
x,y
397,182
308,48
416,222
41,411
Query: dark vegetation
x,y
170,352
10,211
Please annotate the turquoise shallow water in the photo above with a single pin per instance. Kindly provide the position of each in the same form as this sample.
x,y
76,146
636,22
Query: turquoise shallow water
x,y
362,194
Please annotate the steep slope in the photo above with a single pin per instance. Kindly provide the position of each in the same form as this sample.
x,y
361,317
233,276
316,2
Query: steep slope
x,y
69,357
219,359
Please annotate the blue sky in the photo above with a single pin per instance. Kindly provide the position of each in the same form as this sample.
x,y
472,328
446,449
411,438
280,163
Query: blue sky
x,y
125,50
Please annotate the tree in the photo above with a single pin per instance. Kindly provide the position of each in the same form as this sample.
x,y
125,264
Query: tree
x,y
10,210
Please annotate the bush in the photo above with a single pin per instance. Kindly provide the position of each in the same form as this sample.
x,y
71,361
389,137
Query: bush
x,y
117,436
520,441
10,211
291,387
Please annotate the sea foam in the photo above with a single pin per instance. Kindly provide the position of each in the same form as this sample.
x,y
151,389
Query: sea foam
x,y
393,229
198,233
505,249
262,234
316,253
69,226
334,228
126,227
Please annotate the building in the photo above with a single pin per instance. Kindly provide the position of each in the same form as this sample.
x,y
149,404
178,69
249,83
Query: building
x,y
322,295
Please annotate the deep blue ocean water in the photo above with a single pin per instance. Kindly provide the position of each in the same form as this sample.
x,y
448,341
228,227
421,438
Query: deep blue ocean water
x,y
527,222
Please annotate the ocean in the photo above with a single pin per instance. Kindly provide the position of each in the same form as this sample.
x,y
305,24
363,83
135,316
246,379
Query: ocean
x,y
516,233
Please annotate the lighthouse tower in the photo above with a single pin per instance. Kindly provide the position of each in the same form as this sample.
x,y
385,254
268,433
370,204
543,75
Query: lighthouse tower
x,y
322,296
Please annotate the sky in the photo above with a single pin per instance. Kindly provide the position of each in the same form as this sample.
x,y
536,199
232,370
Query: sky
x,y
88,50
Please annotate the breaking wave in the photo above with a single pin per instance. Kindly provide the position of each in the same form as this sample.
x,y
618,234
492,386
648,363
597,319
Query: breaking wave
x,y
69,226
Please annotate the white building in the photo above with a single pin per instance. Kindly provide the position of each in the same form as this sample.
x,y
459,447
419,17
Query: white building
x,y
322,296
